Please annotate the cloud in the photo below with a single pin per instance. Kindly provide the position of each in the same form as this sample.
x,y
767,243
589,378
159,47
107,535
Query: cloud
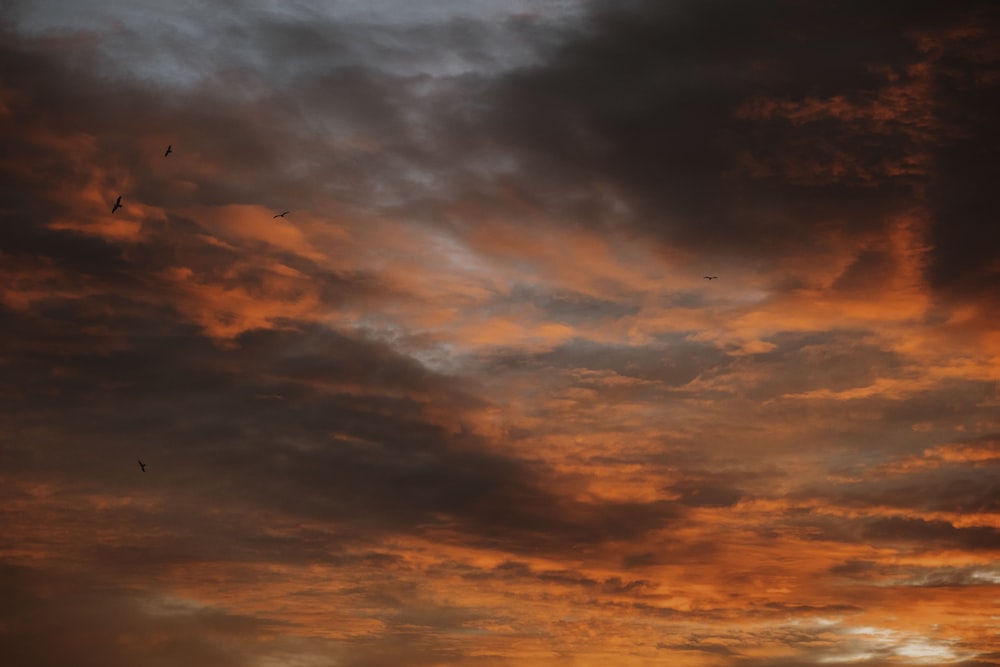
x,y
471,401
939,533
97,624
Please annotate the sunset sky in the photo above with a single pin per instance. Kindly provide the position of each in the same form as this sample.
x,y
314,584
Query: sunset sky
x,y
472,402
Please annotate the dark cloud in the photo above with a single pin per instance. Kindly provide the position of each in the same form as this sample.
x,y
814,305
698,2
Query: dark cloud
x,y
670,364
857,568
803,362
521,572
646,100
958,477
963,230
349,438
705,493
571,307
946,577
941,534
373,459
120,123
652,100
965,491
697,647
49,618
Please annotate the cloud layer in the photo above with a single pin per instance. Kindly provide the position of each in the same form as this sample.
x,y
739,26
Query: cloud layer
x,y
472,402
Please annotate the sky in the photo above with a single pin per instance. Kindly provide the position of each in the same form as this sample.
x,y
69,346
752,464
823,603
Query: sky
x,y
472,401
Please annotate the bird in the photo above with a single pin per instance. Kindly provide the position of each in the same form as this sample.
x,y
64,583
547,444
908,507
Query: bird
x,y
118,204
142,465
711,277
281,215
170,149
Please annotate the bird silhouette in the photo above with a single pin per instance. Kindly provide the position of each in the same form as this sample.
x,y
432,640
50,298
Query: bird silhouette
x,y
170,149
142,465
281,215
711,277
118,204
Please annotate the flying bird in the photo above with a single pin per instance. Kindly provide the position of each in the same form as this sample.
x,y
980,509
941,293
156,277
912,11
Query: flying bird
x,y
118,204
711,277
170,149
142,465
281,215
